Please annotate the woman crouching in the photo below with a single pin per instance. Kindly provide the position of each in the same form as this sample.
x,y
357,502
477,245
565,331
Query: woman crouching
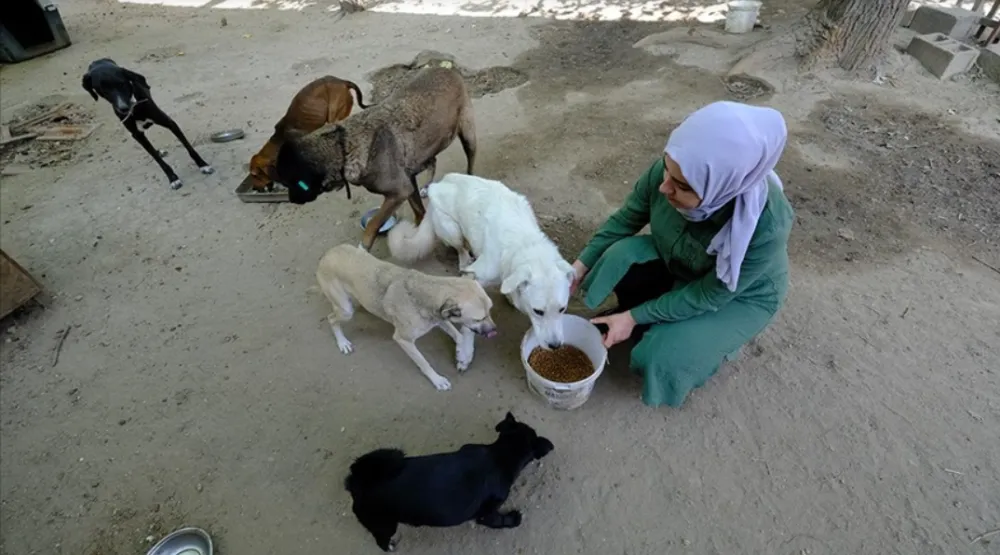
x,y
713,271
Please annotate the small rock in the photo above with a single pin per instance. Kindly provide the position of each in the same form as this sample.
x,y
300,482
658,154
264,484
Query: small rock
x,y
123,421
845,234
78,297
199,487
223,23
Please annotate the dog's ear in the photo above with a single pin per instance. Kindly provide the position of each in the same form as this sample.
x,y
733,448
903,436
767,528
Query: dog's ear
x,y
541,447
136,78
567,269
292,170
88,85
257,162
450,309
515,280
508,424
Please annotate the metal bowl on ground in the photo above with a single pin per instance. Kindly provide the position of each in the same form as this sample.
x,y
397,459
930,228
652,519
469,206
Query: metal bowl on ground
x,y
385,227
186,541
228,135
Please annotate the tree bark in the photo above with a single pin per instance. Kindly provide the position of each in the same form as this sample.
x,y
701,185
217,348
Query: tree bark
x,y
853,34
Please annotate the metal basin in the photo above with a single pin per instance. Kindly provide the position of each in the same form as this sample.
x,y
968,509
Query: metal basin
x,y
228,135
385,227
186,541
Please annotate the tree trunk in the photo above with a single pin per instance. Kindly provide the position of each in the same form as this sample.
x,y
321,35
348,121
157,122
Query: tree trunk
x,y
854,34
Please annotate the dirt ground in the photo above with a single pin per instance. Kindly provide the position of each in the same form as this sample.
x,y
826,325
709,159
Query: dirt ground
x,y
199,384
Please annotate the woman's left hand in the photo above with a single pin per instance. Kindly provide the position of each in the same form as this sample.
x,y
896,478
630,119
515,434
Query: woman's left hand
x,y
620,327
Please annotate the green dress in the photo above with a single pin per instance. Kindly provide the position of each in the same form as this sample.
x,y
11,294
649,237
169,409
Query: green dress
x,y
700,321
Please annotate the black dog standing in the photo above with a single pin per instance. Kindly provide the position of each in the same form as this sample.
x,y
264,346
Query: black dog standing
x,y
447,489
128,93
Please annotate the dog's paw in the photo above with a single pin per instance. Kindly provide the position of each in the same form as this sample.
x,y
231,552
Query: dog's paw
x,y
463,356
176,184
441,383
512,519
345,346
207,170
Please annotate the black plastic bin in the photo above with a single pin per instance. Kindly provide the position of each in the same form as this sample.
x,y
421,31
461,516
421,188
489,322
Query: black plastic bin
x,y
30,28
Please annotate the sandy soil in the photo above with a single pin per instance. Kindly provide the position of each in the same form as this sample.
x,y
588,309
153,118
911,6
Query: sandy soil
x,y
199,384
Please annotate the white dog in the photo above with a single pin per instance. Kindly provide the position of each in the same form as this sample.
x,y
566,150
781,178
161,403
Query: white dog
x,y
498,242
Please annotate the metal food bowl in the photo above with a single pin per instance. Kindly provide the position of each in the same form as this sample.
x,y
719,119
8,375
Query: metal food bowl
x,y
228,135
186,541
385,227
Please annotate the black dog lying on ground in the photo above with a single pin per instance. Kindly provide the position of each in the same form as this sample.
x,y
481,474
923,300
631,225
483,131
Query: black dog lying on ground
x,y
128,93
446,489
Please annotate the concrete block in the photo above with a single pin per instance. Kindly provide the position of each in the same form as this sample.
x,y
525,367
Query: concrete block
x,y
908,18
957,23
942,55
989,61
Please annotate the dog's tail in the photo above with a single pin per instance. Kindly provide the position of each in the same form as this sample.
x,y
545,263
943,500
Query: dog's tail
x,y
375,467
409,243
357,92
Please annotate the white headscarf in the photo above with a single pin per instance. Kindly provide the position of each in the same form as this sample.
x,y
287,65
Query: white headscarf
x,y
727,151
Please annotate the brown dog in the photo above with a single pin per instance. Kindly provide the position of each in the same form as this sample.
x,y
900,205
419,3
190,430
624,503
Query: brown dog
x,y
325,100
384,148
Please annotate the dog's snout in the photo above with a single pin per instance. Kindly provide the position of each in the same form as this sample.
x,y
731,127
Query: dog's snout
x,y
554,345
488,331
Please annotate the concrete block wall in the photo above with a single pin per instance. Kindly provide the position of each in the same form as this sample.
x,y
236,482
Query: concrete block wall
x,y
942,55
989,61
955,22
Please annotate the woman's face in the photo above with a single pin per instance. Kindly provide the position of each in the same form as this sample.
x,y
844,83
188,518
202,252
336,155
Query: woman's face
x,y
679,194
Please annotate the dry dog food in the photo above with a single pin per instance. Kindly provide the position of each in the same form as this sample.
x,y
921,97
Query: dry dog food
x,y
567,364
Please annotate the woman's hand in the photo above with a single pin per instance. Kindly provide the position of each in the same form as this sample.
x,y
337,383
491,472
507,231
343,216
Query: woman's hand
x,y
581,271
620,327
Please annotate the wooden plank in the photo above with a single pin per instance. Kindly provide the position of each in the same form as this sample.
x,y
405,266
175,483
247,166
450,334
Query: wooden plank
x,y
15,169
18,138
68,132
44,116
17,286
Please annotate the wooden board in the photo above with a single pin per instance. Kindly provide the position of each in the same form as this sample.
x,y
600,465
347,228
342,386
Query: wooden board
x,y
67,132
16,285
45,116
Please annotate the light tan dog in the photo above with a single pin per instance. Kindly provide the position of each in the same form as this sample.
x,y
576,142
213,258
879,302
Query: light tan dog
x,y
413,302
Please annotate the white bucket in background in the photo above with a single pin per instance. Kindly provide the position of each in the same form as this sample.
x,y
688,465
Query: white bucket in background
x,y
583,335
742,16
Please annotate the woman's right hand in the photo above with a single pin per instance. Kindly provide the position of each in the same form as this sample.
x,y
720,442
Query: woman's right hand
x,y
581,272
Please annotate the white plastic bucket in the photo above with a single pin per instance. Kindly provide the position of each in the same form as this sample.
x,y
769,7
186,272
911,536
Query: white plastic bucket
x,y
580,333
742,16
